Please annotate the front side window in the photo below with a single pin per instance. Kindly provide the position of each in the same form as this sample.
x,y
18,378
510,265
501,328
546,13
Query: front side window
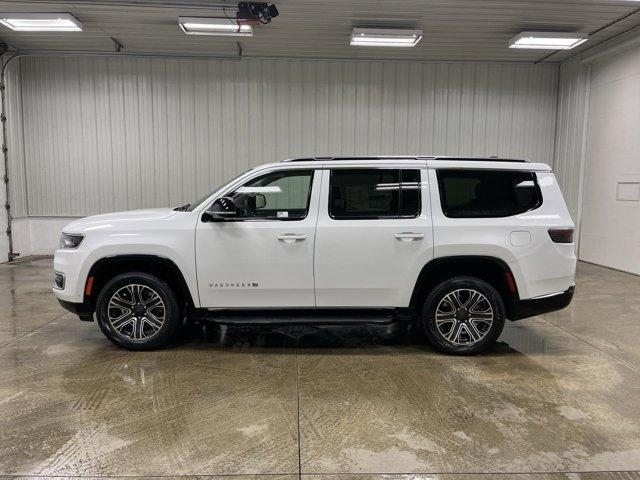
x,y
280,195
361,194
487,193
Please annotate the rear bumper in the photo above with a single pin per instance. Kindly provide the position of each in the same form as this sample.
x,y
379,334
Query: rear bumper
x,y
81,309
537,306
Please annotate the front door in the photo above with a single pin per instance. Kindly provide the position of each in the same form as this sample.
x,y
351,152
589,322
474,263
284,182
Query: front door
x,y
374,236
263,256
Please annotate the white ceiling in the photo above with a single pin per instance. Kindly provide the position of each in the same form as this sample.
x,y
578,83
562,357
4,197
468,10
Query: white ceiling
x,y
472,30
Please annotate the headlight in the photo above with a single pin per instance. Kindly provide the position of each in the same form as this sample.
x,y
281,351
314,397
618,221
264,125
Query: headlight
x,y
68,240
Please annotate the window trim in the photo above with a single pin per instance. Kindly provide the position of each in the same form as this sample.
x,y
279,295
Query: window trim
x,y
250,219
443,208
379,217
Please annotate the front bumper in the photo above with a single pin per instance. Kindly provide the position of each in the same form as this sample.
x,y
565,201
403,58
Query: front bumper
x,y
537,306
69,263
81,309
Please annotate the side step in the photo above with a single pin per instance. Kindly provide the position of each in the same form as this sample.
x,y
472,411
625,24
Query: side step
x,y
305,317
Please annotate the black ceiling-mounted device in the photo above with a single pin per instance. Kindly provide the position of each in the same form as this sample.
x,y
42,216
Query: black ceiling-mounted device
x,y
255,12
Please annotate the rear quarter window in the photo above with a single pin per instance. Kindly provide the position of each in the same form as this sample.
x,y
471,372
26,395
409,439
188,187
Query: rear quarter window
x,y
487,193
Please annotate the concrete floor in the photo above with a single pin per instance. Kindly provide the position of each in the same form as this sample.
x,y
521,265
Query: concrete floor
x,y
559,394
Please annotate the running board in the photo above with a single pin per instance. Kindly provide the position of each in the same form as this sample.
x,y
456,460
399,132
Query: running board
x,y
305,317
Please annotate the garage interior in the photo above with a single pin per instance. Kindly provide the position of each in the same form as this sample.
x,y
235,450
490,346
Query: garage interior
x,y
133,113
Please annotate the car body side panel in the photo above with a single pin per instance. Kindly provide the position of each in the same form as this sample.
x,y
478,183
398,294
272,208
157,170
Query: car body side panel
x,y
171,238
247,264
357,263
539,266
361,263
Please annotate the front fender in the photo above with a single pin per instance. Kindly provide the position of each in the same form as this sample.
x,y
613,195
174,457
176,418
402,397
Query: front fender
x,y
76,265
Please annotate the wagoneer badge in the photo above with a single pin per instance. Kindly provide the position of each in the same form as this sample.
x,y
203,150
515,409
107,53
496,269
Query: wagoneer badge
x,y
233,284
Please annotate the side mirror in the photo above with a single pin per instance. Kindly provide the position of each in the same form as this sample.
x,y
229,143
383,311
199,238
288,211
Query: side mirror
x,y
222,209
261,201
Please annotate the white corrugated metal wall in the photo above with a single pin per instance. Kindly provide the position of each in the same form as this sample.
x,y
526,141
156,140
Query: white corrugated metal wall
x,y
571,130
104,134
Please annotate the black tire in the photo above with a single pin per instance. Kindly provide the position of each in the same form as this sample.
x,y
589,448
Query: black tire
x,y
138,287
464,334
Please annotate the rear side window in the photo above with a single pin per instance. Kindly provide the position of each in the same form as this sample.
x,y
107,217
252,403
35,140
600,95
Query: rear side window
x,y
487,193
361,194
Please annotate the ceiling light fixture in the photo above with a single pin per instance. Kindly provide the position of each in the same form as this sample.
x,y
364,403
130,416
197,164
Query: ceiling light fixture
x,y
41,22
214,26
547,40
385,37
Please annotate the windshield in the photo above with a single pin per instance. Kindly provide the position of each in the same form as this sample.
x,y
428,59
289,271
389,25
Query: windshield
x,y
192,206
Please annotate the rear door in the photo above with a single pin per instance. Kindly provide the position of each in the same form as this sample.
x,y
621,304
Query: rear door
x,y
374,235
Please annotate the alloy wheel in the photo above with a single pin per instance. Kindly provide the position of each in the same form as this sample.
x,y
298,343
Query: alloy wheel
x,y
136,312
464,317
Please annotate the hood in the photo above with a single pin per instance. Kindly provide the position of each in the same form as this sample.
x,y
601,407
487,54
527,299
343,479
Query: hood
x,y
107,220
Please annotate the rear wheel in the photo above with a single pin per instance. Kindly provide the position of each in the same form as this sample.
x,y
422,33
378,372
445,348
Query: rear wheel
x,y
463,316
137,311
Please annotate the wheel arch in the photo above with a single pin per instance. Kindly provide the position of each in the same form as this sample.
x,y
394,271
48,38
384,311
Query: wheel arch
x,y
108,267
493,270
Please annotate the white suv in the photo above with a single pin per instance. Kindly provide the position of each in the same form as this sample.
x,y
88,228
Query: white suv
x,y
457,244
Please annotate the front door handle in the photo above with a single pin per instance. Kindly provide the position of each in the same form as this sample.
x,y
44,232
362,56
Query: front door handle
x,y
409,236
292,237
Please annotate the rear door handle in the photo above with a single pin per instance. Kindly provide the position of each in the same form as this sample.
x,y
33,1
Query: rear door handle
x,y
292,237
409,236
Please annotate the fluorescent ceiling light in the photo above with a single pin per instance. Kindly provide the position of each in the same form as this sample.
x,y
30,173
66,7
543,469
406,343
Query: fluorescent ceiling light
x,y
41,22
385,37
214,26
547,40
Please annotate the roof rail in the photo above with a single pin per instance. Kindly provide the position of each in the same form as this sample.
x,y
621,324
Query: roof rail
x,y
386,157
480,159
406,157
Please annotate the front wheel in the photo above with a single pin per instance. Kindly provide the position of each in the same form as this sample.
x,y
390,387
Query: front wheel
x,y
137,311
463,316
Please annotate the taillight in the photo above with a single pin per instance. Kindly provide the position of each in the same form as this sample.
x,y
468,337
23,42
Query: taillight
x,y
561,235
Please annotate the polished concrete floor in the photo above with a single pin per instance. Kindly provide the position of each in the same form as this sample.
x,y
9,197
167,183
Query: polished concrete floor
x,y
558,398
